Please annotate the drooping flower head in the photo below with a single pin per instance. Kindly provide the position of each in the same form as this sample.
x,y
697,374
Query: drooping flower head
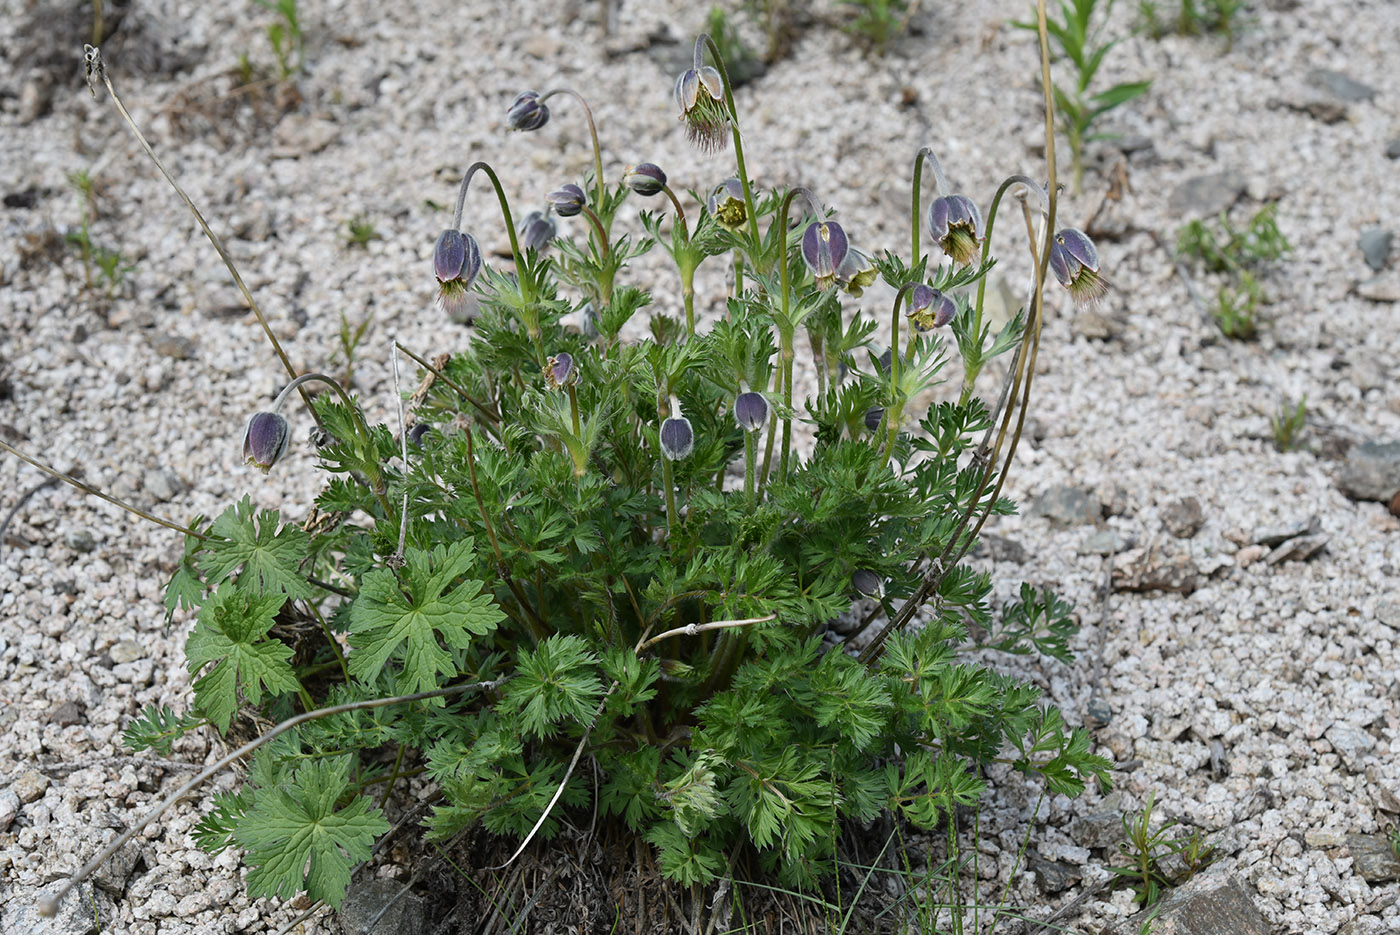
x,y
560,371
1075,262
955,222
873,417
751,411
568,200
930,308
537,230
526,112
677,438
646,179
265,440
700,97
726,205
824,248
856,272
867,583
456,263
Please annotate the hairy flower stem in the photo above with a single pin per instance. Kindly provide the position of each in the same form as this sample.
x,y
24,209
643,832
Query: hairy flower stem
x,y
785,326
96,69
526,277
940,186
93,491
49,903
895,412
668,478
750,467
377,481
573,410
592,132
687,267
701,42
974,367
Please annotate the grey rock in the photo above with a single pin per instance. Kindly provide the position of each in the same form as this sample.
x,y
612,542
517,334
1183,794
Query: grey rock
x,y
1140,570
9,808
1002,549
1211,903
1206,195
1392,149
1321,109
1388,613
1092,324
1351,743
1183,518
163,484
404,916
1105,542
75,914
174,346
1051,876
113,875
30,786
1272,536
1068,506
1099,712
1298,550
1373,858
1340,86
299,135
66,714
79,540
1375,246
124,651
1371,471
1383,288
1097,829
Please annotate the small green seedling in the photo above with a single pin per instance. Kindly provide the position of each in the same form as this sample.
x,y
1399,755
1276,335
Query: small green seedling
x,y
1147,850
1288,424
1192,18
1237,253
350,339
875,22
361,231
1079,107
285,36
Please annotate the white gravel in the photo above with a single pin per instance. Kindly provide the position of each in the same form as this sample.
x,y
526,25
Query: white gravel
x,y
1291,667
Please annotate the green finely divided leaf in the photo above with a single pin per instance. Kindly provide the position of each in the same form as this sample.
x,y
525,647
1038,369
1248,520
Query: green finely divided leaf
x,y
406,621
231,632
269,556
296,838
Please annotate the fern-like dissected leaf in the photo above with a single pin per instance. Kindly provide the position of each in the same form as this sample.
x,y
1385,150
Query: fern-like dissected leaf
x,y
157,727
297,839
406,622
232,634
268,556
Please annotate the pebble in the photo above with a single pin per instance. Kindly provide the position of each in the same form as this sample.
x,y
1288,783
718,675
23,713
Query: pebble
x,y
1341,86
30,786
9,808
1183,518
1211,903
1375,244
79,540
1105,542
163,484
124,651
174,346
1068,506
1272,536
1392,149
1299,549
66,714
1371,471
364,900
1351,743
1383,288
1206,196
1375,860
1155,570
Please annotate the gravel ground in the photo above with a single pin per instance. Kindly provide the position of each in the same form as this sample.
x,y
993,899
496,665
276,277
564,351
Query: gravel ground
x,y
1257,699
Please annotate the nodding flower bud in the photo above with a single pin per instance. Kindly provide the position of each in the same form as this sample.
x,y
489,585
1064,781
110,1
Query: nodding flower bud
x,y
265,440
873,417
700,97
456,262
677,438
867,583
526,112
645,179
856,272
824,248
568,201
929,308
415,434
954,221
1075,260
751,411
559,371
537,230
726,205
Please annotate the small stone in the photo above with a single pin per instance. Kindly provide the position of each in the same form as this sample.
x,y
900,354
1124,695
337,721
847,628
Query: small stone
x,y
1298,550
1068,506
76,914
1001,549
298,135
1392,149
405,916
1388,801
1105,542
1051,876
1272,536
1371,471
1394,505
542,46
174,346
1206,195
1097,713
1183,518
163,484
30,786
1250,554
1102,828
125,651
1351,743
1211,903
1318,108
1340,86
1375,246
1324,838
1140,570
1388,613
1373,858
1383,288
66,714
114,873
79,540
9,808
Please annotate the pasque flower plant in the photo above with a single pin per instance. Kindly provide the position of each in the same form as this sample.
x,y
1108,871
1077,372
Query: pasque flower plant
x,y
568,568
